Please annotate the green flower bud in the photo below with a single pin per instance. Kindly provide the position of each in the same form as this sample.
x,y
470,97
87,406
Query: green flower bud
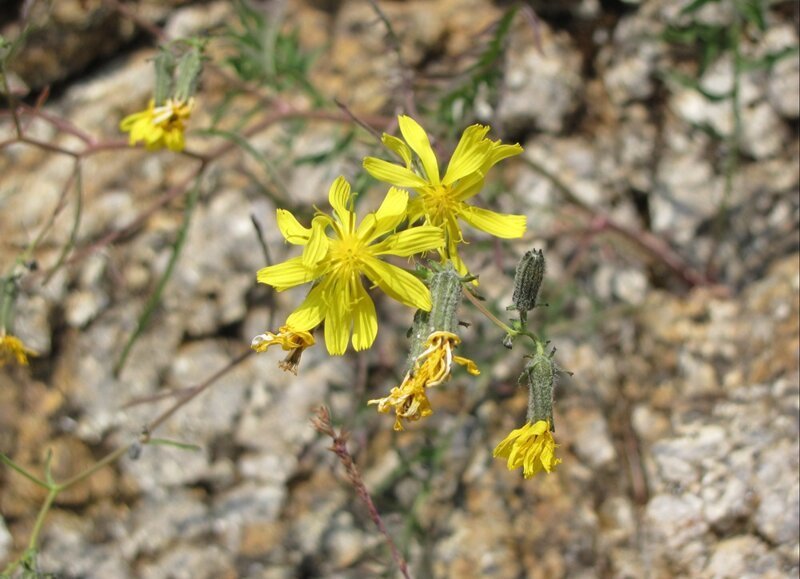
x,y
527,281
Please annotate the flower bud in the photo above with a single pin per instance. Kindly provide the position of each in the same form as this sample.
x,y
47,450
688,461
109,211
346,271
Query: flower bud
x,y
527,281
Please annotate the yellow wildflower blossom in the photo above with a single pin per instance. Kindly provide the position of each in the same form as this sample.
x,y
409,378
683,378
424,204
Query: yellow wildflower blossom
x,y
532,447
12,349
442,201
159,126
431,368
336,263
290,340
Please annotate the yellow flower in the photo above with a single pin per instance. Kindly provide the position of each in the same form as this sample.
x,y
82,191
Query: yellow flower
x,y
291,340
442,201
431,368
532,447
161,126
336,263
13,350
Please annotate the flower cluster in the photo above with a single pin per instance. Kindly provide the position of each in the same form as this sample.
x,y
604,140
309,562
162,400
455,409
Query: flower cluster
x,y
338,250
422,211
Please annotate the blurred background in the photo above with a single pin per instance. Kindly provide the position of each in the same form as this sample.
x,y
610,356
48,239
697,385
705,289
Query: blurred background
x,y
660,177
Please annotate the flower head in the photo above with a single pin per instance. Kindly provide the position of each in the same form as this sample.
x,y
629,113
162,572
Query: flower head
x,y
12,349
159,126
409,400
532,447
431,368
290,340
335,264
441,201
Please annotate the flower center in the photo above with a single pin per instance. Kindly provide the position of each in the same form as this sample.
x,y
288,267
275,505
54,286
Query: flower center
x,y
439,202
346,255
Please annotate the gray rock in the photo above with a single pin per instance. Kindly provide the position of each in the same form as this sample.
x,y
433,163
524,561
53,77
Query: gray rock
x,y
191,562
160,518
592,441
541,87
743,557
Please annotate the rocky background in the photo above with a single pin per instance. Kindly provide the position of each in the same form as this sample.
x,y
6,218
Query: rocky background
x,y
678,428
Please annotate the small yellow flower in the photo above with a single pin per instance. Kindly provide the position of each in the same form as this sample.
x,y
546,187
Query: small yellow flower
x,y
161,126
532,447
290,340
431,368
335,264
442,201
13,350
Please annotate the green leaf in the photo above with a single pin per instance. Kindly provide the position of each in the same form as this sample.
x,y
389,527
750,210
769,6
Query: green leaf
x,y
695,6
175,444
752,11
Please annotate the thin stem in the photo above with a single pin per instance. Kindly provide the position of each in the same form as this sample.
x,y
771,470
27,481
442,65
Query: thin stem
x,y
322,424
13,465
37,526
492,318
106,460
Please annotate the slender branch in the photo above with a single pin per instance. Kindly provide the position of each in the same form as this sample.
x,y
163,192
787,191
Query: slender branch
x,y
492,318
322,424
13,465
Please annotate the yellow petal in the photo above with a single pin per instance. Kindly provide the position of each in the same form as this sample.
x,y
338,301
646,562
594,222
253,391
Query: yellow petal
x,y
470,154
285,275
339,198
498,152
418,140
365,320
392,211
388,216
500,225
411,241
416,210
468,187
174,140
317,246
311,312
338,318
291,229
398,283
392,174
398,146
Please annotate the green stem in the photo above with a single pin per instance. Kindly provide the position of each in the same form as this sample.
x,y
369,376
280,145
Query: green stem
x,y
492,318
108,459
13,465
37,527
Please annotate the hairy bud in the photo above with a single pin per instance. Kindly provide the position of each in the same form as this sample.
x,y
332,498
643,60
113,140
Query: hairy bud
x,y
527,281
